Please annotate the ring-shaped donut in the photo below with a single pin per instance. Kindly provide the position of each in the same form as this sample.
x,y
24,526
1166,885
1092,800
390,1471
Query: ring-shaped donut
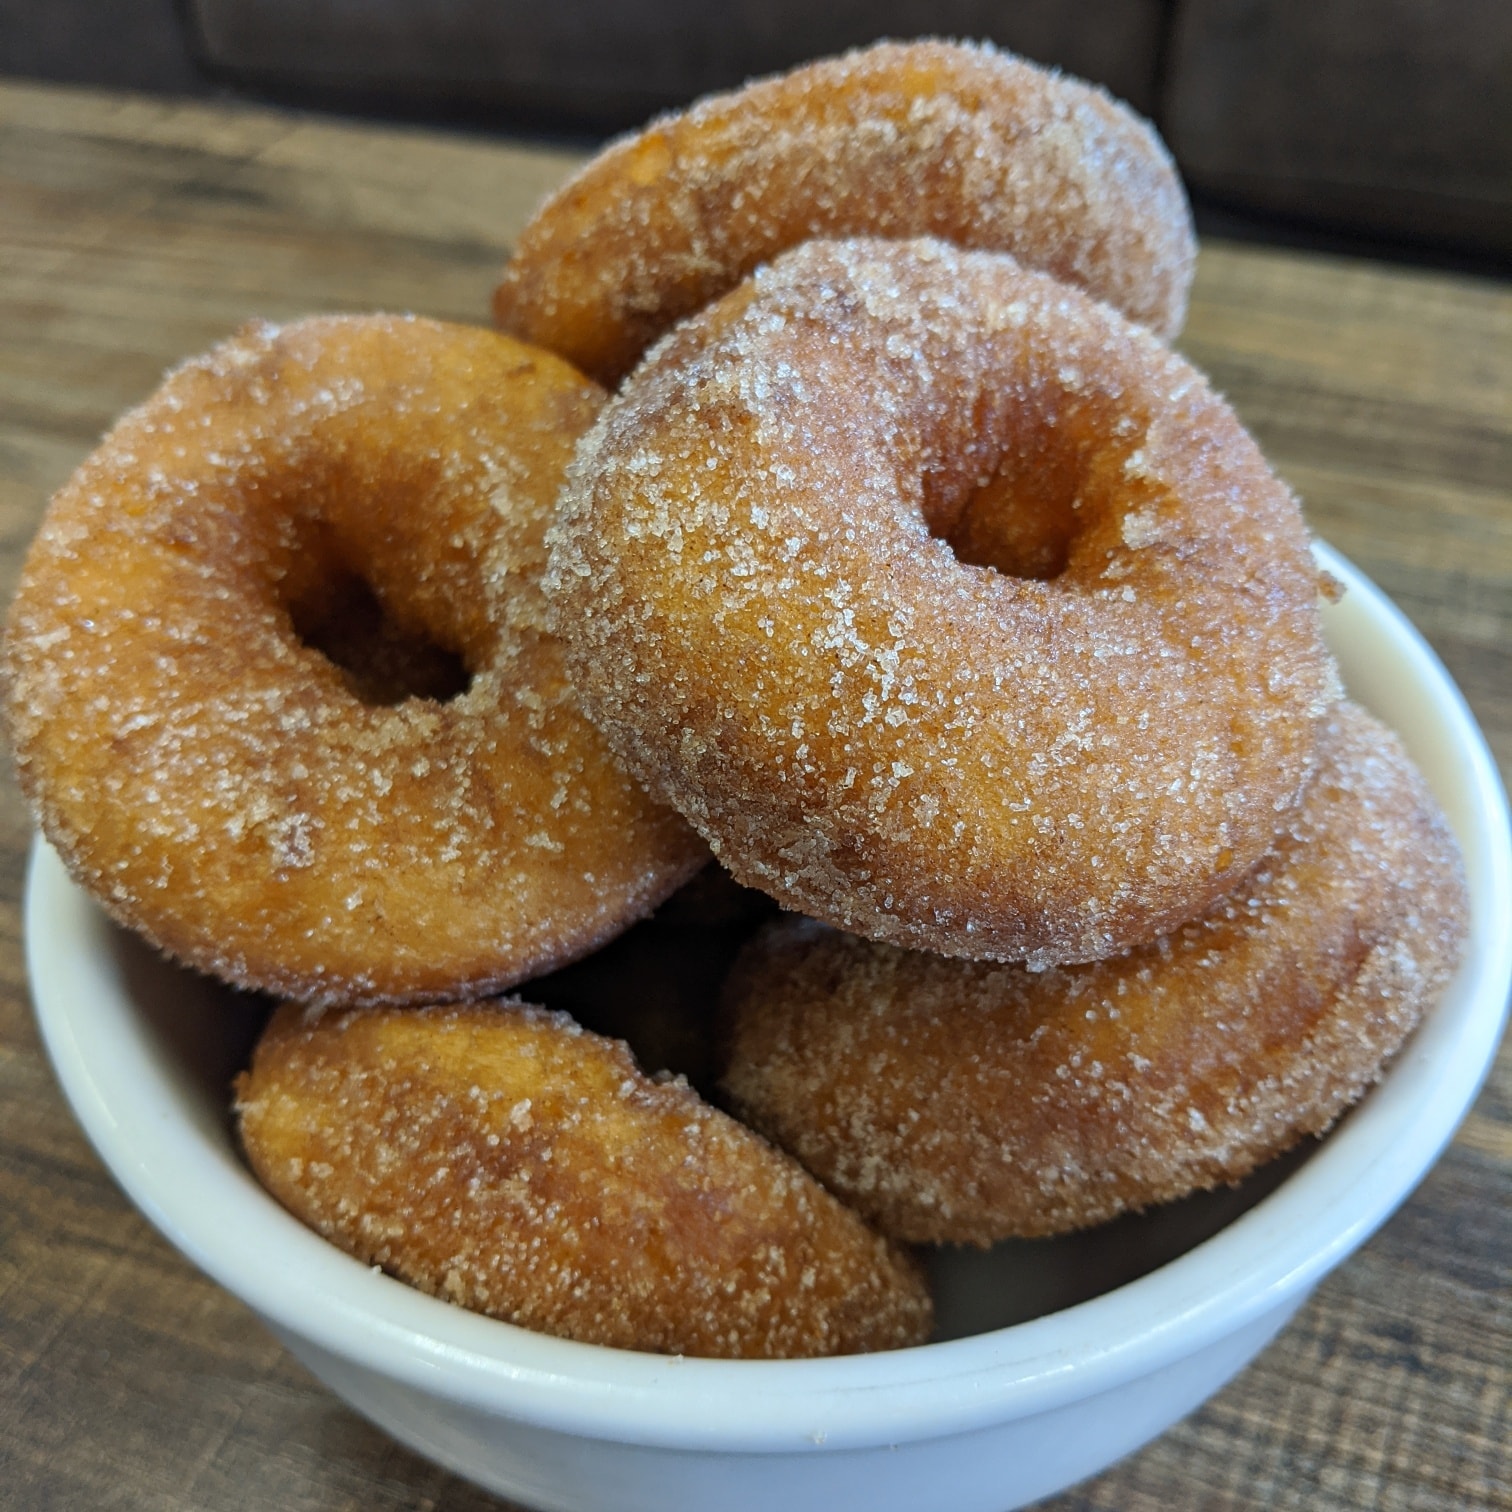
x,y
942,139
776,563
501,1157
232,793
955,1101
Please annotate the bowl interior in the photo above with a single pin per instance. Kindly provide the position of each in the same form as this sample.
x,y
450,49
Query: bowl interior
x,y
146,1052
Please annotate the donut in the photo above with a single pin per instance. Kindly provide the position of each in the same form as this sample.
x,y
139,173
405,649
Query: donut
x,y
954,1100
499,1157
247,803
964,143
950,607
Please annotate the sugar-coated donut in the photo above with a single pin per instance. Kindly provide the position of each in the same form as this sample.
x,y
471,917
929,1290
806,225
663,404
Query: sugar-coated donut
x,y
767,563
241,799
961,142
949,1100
504,1159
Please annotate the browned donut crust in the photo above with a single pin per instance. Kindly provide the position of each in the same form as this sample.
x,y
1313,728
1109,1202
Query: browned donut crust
x,y
223,787
765,563
961,142
504,1159
953,1101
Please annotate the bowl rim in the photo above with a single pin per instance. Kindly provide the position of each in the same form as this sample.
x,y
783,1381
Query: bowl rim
x,y
198,1193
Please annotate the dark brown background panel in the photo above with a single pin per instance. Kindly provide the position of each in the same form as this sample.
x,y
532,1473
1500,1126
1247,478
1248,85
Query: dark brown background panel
x,y
612,62
1392,116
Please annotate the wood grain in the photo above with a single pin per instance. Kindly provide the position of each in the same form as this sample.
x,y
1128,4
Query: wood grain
x,y
133,232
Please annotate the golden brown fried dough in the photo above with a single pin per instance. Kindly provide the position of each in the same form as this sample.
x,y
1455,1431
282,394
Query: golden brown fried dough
x,y
504,1159
941,139
233,793
952,1101
791,570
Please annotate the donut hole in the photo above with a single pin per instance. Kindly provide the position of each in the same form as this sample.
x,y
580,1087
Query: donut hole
x,y
1019,519
1015,525
1039,478
381,661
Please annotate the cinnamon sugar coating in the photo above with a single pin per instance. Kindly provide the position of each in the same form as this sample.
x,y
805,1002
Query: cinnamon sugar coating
x,y
776,566
953,1101
229,791
961,142
502,1158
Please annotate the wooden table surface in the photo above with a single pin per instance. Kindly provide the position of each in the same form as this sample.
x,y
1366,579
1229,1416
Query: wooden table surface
x,y
133,232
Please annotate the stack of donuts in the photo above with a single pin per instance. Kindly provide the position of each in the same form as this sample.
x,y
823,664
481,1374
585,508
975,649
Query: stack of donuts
x,y
827,501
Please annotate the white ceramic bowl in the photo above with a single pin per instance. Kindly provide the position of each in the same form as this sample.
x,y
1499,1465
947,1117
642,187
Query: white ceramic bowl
x,y
1109,1337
